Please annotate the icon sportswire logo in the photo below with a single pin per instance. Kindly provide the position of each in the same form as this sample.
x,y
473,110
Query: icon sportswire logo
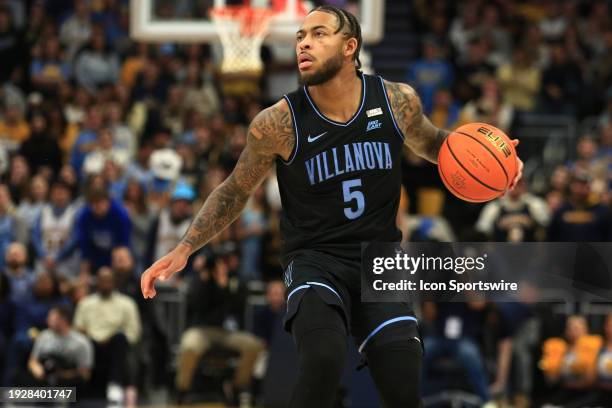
x,y
313,138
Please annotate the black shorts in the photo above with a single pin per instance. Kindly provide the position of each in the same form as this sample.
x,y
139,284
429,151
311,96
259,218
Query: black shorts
x,y
338,282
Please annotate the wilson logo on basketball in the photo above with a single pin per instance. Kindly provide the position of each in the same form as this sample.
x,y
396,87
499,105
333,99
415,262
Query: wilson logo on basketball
x,y
458,180
497,141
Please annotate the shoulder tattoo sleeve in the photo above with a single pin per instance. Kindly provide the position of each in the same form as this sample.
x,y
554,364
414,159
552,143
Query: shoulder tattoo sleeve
x,y
270,136
419,133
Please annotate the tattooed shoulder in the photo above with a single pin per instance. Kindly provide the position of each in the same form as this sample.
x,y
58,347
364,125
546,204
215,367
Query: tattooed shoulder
x,y
419,133
273,129
405,104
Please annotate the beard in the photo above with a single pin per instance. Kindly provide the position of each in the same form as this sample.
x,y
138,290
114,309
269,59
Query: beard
x,y
329,70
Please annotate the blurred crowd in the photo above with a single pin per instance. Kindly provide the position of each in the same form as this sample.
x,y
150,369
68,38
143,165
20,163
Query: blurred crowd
x,y
108,147
501,62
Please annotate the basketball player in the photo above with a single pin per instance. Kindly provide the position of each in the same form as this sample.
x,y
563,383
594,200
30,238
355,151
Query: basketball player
x,y
337,144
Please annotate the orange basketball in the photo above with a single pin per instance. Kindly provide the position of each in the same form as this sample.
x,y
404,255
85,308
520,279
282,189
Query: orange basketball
x,y
477,162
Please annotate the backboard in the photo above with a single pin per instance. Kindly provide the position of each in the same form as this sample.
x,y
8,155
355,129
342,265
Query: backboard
x,y
189,21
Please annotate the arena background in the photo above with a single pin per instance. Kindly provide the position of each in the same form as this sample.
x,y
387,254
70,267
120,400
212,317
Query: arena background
x,y
93,121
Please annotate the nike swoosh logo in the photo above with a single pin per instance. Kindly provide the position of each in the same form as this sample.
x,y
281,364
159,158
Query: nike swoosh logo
x,y
312,139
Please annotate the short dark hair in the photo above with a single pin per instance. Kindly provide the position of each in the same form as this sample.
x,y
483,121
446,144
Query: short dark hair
x,y
61,184
348,20
97,194
64,311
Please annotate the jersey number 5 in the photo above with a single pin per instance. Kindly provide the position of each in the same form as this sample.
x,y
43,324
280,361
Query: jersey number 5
x,y
350,192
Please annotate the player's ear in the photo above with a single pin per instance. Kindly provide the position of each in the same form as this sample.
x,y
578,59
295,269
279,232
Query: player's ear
x,y
350,46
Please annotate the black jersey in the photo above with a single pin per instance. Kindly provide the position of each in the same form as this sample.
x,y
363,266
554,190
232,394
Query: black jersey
x,y
341,184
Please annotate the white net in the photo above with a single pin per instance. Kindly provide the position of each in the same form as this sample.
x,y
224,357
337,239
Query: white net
x,y
241,30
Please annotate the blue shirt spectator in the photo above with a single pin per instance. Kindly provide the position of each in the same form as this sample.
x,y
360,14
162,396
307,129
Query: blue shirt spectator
x,y
429,74
102,225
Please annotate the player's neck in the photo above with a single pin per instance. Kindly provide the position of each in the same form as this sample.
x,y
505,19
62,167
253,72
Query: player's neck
x,y
339,98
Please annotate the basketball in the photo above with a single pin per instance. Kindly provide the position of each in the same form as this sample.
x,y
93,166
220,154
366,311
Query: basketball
x,y
477,162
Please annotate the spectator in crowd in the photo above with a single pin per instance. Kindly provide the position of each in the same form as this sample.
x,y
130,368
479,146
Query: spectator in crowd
x,y
445,111
12,52
604,367
21,278
554,24
61,356
136,59
578,219
7,312
199,94
50,68
172,223
77,29
8,223
464,27
489,107
111,320
519,80
586,161
430,73
106,150
123,137
518,216
570,362
165,167
493,29
14,129
557,188
455,331
41,150
97,65
252,227
605,117
561,82
102,225
523,327
135,203
87,140
126,276
19,178
53,234
214,307
30,318
38,20
172,114
11,95
267,323
151,85
30,207
138,169
605,146
269,319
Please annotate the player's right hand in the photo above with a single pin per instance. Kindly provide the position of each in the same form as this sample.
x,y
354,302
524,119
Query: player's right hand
x,y
163,269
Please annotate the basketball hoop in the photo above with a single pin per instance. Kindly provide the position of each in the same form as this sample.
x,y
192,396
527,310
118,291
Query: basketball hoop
x,y
242,30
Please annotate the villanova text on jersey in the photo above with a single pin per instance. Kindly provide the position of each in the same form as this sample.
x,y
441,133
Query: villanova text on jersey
x,y
347,159
341,185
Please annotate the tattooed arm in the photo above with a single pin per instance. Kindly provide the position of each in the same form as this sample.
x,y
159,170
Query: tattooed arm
x,y
270,136
419,133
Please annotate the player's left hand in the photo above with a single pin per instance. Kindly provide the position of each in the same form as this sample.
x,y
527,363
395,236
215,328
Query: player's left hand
x,y
519,167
